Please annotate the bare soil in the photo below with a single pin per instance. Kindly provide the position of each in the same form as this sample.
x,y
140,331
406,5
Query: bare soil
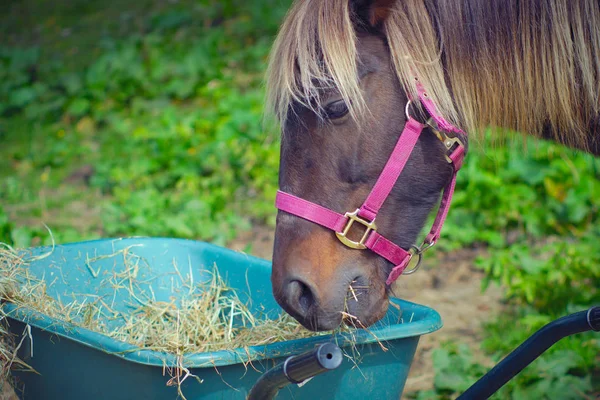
x,y
453,289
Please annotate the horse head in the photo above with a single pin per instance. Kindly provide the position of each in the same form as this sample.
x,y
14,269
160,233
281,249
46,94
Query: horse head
x,y
341,76
331,156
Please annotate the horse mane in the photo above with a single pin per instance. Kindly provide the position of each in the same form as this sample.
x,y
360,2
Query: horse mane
x,y
528,65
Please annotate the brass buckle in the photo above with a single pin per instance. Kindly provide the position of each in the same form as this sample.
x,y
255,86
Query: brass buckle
x,y
353,217
448,141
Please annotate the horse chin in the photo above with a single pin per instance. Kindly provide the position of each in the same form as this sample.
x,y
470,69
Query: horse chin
x,y
332,322
360,315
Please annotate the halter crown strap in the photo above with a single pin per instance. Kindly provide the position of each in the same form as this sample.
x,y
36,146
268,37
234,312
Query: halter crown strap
x,y
433,112
434,234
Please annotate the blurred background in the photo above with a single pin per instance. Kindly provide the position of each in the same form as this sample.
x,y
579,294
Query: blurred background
x,y
145,118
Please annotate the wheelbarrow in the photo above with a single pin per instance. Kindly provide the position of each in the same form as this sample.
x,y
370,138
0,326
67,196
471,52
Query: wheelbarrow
x,y
75,363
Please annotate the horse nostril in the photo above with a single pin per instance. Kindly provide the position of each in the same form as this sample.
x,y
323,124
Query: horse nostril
x,y
300,296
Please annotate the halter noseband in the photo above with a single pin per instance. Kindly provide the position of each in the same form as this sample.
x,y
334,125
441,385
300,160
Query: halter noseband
x,y
366,214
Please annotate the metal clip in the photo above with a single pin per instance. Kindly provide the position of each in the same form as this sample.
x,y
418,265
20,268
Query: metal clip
x,y
450,142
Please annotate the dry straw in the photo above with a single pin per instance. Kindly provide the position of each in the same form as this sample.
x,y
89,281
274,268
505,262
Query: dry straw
x,y
202,317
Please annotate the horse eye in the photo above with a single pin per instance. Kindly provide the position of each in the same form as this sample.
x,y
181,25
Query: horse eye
x,y
336,110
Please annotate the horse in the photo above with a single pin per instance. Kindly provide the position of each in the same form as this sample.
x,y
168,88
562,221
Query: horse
x,y
375,99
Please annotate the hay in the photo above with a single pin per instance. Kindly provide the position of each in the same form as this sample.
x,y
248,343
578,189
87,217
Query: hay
x,y
208,316
199,317
203,321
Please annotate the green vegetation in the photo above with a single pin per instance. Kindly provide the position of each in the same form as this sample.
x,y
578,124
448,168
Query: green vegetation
x,y
543,282
147,120
555,375
170,122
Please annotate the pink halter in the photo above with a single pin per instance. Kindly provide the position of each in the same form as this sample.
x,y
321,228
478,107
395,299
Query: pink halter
x,y
366,214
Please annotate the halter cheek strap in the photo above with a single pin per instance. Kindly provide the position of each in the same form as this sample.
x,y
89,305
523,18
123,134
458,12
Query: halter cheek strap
x,y
367,213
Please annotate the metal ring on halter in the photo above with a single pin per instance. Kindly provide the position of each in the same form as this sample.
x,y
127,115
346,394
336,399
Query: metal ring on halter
x,y
408,116
417,252
406,109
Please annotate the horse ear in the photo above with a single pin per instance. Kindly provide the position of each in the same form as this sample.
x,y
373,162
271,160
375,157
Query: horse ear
x,y
372,12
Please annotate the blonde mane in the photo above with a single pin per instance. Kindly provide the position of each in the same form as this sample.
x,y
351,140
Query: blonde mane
x,y
521,65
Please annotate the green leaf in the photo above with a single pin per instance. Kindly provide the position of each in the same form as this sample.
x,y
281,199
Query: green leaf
x,y
78,107
22,96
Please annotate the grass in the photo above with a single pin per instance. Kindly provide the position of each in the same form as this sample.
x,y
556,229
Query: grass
x,y
144,89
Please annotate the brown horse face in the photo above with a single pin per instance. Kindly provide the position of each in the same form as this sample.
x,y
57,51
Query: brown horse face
x,y
334,161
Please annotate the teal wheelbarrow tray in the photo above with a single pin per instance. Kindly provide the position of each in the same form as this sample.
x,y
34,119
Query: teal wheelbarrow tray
x,y
75,363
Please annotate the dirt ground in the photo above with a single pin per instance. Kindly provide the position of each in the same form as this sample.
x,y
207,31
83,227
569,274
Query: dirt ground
x,y
453,288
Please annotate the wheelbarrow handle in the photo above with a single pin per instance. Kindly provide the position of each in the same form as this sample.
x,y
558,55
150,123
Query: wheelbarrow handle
x,y
296,369
531,349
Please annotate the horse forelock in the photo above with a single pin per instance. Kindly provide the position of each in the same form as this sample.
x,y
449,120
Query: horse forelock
x,y
315,50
